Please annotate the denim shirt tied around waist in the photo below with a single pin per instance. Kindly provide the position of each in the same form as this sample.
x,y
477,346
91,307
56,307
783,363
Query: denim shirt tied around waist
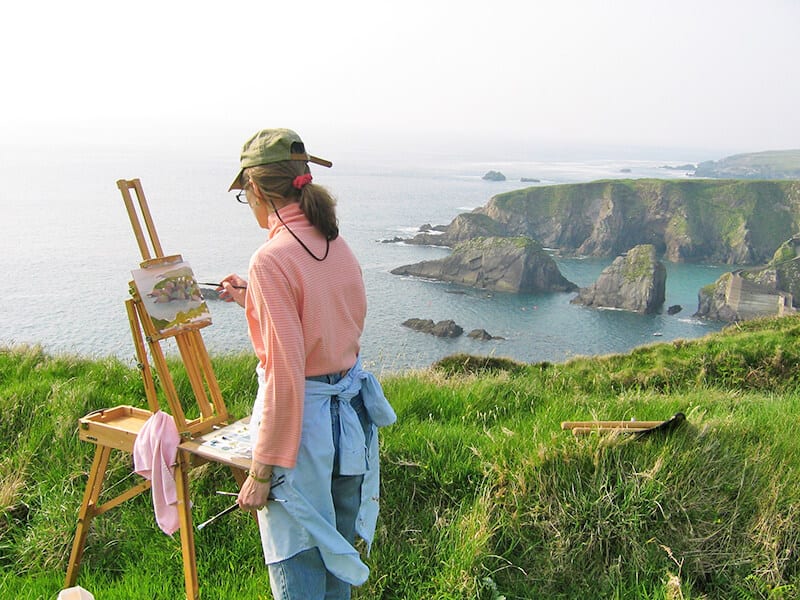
x,y
306,517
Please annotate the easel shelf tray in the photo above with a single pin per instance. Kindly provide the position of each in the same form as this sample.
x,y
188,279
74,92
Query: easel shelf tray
x,y
116,427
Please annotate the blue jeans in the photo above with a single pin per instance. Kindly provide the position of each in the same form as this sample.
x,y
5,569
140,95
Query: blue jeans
x,y
304,576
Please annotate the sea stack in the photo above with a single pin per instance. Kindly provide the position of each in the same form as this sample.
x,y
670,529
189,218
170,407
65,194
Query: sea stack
x,y
500,264
635,281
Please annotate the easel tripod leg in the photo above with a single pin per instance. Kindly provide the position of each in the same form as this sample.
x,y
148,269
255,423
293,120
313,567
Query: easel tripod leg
x,y
94,486
187,534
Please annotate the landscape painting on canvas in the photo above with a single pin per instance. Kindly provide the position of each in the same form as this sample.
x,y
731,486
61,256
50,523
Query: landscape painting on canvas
x,y
170,295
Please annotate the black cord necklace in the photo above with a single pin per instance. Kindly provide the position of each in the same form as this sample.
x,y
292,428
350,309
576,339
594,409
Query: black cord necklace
x,y
314,256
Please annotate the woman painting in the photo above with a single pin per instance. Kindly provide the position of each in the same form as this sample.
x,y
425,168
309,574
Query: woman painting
x,y
314,472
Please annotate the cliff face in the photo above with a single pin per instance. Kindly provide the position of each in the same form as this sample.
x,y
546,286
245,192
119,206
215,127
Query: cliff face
x,y
635,282
782,273
773,289
514,264
466,226
734,298
719,221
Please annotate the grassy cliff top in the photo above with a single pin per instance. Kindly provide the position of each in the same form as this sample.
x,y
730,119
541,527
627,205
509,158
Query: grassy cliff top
x,y
483,495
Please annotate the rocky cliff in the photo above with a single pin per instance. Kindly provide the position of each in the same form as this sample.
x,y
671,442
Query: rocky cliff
x,y
465,226
782,273
635,281
511,264
773,289
734,298
719,221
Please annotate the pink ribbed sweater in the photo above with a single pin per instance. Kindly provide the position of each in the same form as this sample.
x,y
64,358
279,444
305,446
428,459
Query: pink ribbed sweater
x,y
305,318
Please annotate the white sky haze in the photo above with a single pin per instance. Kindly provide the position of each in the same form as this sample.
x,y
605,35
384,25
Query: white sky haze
x,y
685,74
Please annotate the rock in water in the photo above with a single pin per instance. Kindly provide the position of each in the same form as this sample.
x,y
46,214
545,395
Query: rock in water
x,y
483,335
515,264
635,281
448,328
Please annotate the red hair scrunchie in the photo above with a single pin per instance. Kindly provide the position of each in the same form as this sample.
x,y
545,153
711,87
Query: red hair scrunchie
x,y
302,181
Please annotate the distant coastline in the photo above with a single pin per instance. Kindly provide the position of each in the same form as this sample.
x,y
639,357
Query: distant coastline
x,y
772,164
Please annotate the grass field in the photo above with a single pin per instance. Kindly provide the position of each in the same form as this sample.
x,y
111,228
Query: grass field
x,y
483,495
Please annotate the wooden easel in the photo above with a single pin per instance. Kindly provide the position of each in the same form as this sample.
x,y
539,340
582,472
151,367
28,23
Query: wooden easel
x,y
116,428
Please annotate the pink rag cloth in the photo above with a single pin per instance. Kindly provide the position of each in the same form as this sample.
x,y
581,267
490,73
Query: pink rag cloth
x,y
154,454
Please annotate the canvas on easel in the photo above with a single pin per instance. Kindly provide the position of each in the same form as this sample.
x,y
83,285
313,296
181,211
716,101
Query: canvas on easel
x,y
170,294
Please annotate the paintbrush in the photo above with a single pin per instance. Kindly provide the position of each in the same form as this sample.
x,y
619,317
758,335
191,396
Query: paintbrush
x,y
236,287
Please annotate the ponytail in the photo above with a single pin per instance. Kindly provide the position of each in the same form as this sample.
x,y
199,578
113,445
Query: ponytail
x,y
291,179
320,208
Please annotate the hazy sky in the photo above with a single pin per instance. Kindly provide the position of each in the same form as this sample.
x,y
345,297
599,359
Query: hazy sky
x,y
685,73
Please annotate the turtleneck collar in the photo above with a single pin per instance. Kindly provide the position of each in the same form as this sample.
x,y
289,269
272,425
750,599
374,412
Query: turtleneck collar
x,y
291,215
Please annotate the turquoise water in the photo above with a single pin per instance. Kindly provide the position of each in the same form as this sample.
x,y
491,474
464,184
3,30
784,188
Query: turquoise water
x,y
67,249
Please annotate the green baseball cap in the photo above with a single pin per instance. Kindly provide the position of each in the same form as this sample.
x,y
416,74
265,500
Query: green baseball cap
x,y
271,146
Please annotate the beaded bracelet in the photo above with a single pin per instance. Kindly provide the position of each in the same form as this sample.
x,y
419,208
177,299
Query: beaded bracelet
x,y
258,479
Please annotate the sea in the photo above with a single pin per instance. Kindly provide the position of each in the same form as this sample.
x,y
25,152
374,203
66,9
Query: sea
x,y
68,249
